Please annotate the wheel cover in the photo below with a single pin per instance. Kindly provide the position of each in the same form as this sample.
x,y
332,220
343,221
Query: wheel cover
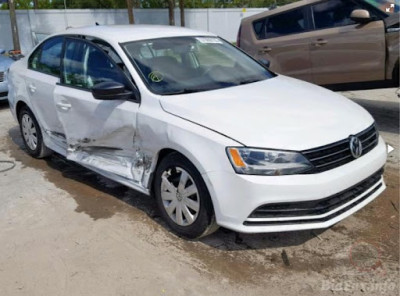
x,y
29,131
180,196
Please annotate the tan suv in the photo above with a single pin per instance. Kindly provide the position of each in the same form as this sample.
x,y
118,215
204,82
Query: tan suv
x,y
326,42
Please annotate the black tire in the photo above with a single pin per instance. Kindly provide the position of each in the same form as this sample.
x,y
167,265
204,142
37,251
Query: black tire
x,y
204,223
40,151
395,76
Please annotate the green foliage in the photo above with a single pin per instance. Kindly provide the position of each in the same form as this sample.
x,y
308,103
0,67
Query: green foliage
x,y
113,4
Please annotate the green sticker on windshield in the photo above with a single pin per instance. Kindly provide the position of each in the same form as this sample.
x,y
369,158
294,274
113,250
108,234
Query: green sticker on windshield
x,y
156,76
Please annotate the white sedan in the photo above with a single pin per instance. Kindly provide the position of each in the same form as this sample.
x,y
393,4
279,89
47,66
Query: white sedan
x,y
190,119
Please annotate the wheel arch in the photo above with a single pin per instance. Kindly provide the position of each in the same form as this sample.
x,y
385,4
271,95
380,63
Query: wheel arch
x,y
163,153
19,106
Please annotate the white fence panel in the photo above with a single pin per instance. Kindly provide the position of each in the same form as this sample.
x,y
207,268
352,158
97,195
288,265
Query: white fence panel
x,y
224,22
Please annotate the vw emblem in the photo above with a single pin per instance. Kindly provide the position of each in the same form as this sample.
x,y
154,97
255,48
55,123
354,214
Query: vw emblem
x,y
355,146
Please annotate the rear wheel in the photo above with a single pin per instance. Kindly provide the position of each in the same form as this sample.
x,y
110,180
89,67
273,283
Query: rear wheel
x,y
395,76
182,197
32,134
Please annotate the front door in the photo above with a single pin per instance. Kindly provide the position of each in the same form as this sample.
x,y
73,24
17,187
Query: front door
x,y
343,51
100,134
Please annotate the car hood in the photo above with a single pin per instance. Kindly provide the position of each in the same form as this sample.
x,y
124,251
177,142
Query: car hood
x,y
278,113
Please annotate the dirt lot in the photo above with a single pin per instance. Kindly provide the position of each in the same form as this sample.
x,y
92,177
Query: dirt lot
x,y
68,231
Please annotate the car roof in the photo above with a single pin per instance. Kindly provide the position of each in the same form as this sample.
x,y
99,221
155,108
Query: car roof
x,y
127,33
281,9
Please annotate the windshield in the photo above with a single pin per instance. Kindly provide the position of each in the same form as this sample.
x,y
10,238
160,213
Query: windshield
x,y
387,6
179,65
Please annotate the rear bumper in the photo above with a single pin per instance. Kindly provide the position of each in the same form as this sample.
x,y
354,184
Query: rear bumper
x,y
236,197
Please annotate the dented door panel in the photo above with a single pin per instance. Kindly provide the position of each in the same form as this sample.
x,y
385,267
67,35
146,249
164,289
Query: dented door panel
x,y
99,134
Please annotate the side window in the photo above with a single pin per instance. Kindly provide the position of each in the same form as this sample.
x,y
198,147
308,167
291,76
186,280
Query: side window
x,y
333,13
259,28
34,59
286,23
46,59
85,65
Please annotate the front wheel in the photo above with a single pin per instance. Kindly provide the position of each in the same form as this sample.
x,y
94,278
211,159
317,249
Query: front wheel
x,y
182,197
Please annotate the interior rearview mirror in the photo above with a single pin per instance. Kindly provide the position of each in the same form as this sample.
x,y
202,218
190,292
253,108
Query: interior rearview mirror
x,y
360,16
111,91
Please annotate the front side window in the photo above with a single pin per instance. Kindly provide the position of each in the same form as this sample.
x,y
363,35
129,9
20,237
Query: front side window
x,y
333,13
191,64
86,65
46,59
291,22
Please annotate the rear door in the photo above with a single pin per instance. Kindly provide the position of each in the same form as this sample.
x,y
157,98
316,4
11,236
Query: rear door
x,y
100,134
283,40
41,78
343,51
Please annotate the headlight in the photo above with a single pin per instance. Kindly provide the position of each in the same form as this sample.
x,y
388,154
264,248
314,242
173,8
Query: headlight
x,y
251,161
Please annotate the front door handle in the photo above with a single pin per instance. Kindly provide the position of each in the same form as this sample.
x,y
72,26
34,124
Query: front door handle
x,y
320,42
32,87
64,106
265,49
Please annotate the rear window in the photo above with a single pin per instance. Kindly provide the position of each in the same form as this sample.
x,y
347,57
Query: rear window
x,y
259,28
286,23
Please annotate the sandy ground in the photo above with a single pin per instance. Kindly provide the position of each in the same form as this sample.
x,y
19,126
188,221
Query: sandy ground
x,y
68,231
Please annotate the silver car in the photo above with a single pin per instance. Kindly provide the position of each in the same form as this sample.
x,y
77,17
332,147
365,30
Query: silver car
x,y
5,63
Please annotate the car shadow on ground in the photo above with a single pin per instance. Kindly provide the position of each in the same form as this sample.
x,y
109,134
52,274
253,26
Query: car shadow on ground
x,y
386,114
4,104
98,197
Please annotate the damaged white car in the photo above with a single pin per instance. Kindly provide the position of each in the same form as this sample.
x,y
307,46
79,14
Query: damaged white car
x,y
217,138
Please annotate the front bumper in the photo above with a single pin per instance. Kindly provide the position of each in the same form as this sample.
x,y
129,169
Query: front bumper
x,y
236,197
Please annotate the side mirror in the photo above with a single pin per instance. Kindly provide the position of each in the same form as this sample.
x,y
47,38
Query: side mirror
x,y
2,51
361,16
265,63
111,91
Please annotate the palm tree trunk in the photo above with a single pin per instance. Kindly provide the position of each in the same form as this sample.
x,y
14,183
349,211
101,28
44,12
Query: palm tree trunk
x,y
14,26
129,4
182,10
171,6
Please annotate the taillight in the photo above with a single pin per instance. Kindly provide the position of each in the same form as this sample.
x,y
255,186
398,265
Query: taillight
x,y
238,36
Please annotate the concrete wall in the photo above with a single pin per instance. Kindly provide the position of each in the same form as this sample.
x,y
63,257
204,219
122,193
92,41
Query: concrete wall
x,y
224,22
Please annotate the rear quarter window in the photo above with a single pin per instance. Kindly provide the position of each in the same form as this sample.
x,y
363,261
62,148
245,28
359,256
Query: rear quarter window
x,y
282,24
259,28
291,22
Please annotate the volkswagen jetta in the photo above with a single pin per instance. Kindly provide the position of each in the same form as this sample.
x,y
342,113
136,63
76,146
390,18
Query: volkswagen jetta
x,y
185,116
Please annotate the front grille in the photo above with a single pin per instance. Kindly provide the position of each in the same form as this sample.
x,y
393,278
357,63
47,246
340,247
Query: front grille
x,y
316,207
3,94
2,76
334,155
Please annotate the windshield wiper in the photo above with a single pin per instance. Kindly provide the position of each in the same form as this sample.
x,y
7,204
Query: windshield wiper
x,y
248,81
187,91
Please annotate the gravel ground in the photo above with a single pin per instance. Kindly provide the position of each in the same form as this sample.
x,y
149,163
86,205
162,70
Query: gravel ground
x,y
68,231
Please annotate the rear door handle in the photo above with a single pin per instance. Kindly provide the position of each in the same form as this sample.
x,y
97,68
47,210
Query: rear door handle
x,y
265,49
64,106
32,87
319,42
